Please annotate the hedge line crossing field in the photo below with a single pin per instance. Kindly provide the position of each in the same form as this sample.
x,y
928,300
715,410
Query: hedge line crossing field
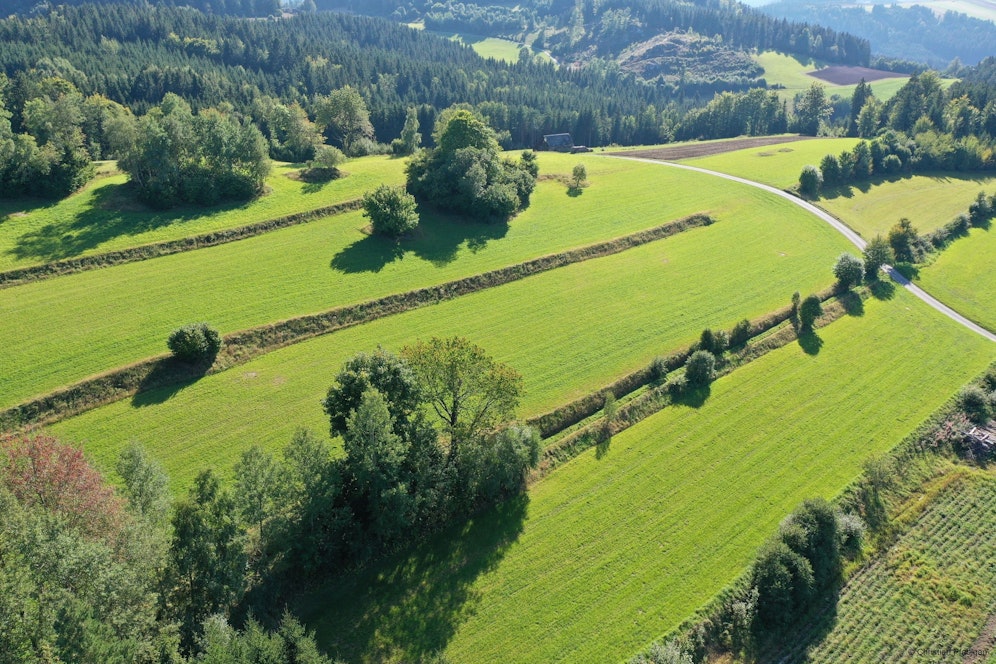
x,y
775,165
931,592
616,548
103,216
964,276
83,324
635,305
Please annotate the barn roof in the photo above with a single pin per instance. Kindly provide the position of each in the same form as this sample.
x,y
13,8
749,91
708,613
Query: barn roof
x,y
558,140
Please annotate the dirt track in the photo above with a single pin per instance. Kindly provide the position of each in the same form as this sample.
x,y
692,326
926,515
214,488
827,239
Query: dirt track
x,y
710,147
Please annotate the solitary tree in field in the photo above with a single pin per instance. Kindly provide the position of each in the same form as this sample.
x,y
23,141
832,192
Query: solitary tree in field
x,y
903,238
579,175
810,181
848,269
877,253
700,369
391,210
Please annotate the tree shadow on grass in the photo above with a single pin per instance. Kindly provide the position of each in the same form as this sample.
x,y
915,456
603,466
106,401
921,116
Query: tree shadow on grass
x,y
694,398
882,290
408,607
852,303
437,239
113,212
810,342
808,631
167,378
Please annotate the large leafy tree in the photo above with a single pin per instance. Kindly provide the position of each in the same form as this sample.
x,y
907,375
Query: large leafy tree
x,y
465,387
344,117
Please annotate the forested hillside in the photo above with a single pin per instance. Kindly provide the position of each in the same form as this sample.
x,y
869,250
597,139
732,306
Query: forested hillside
x,y
229,7
135,55
911,33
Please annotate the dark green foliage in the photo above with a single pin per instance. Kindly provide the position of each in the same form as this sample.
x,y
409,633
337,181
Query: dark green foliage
x,y
849,270
700,369
830,170
207,557
812,110
579,175
976,404
892,164
905,242
391,210
981,210
290,643
740,333
713,342
174,156
466,173
809,311
410,138
877,253
794,567
810,181
198,342
388,374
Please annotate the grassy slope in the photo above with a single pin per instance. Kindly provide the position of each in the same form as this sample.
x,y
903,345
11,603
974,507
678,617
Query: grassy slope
x,y
617,549
962,277
776,165
982,9
102,217
794,75
932,591
929,201
633,306
86,323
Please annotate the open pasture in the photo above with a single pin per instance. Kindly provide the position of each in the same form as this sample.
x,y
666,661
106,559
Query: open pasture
x,y
82,324
930,593
104,216
568,331
928,200
775,165
788,71
620,545
962,277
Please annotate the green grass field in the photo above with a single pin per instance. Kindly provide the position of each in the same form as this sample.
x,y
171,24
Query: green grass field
x,y
962,277
86,323
930,593
794,75
929,201
776,165
103,216
615,549
568,331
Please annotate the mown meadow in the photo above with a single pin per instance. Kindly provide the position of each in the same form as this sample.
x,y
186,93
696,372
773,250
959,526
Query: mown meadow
x,y
86,323
653,298
104,216
617,547
794,74
962,276
775,165
929,594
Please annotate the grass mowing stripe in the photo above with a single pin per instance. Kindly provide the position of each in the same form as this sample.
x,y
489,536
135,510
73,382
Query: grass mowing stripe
x,y
83,324
962,277
148,251
637,304
614,550
242,346
104,216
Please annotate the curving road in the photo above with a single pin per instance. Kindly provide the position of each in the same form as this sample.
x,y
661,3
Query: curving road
x,y
855,239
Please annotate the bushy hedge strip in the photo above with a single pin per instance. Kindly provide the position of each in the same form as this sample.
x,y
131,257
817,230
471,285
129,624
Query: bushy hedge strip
x,y
147,251
240,347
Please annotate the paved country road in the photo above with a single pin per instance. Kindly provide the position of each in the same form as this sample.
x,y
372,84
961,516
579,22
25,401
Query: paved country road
x,y
855,239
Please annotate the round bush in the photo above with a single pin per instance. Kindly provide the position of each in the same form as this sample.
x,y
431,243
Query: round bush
x,y
700,368
975,403
194,343
391,210
810,181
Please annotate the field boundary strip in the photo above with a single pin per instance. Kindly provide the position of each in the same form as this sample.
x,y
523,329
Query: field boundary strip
x,y
242,346
656,399
143,252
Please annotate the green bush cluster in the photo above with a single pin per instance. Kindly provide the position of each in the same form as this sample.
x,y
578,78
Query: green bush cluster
x,y
194,343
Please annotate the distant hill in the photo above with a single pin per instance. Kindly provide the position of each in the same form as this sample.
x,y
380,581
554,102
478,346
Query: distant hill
x,y
911,33
219,7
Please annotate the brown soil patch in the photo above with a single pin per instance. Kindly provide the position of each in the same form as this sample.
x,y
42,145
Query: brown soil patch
x,y
707,148
852,75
